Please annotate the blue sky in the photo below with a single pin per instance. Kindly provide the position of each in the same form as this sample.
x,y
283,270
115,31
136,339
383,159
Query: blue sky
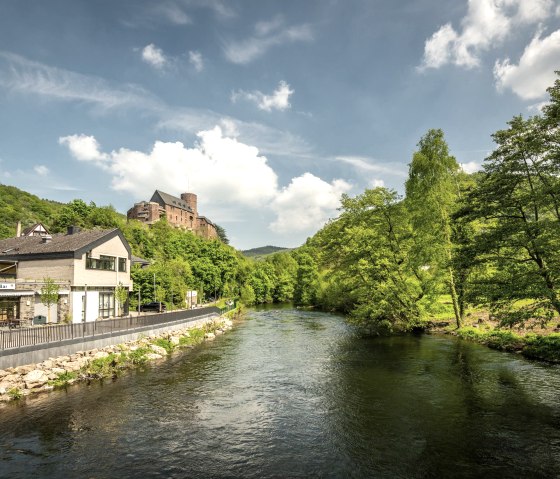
x,y
268,110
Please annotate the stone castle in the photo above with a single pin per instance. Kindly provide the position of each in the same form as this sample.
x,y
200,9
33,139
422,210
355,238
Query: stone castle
x,y
180,212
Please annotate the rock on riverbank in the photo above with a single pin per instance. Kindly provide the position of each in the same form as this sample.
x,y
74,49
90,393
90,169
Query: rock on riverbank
x,y
85,365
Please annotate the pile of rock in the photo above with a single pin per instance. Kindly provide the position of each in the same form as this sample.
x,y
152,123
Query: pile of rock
x,y
24,380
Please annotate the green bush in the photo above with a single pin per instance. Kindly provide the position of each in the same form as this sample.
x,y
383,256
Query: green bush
x,y
63,379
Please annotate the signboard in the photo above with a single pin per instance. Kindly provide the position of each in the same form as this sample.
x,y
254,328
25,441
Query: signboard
x,y
191,298
7,285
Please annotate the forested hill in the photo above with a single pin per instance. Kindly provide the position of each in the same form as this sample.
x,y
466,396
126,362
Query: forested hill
x,y
262,251
18,205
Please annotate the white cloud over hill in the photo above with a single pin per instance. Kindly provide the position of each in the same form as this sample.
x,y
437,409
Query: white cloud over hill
x,y
221,170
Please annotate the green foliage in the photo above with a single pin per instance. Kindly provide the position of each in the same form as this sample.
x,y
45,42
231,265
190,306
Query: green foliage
x,y
17,205
121,295
15,393
138,356
432,190
49,294
63,379
196,336
164,343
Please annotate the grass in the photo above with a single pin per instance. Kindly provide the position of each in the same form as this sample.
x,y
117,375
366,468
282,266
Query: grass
x,y
63,379
533,346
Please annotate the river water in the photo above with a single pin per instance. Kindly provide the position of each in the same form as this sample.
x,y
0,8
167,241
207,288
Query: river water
x,y
289,393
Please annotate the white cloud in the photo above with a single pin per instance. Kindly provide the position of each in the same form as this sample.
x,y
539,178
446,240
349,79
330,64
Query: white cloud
x,y
26,76
365,164
83,148
486,24
223,171
267,35
172,13
279,100
535,70
376,183
41,170
306,203
154,56
218,168
471,166
195,58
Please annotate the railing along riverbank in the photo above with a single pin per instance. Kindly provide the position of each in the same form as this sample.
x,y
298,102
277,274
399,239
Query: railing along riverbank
x,y
14,339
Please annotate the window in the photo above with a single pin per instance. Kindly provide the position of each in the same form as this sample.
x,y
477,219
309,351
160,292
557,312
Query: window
x,y
122,265
106,305
106,263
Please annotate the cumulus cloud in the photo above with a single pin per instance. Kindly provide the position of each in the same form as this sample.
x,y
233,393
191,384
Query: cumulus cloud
x,y
278,100
486,24
223,171
195,59
267,35
83,148
471,167
535,70
306,203
41,170
154,56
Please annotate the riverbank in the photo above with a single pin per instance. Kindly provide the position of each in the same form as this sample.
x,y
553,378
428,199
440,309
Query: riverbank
x,y
108,362
534,341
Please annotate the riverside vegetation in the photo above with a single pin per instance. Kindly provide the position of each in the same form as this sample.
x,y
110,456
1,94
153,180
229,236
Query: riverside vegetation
x,y
456,246
108,362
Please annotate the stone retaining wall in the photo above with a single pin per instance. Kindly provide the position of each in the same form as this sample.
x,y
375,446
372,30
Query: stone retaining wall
x,y
37,377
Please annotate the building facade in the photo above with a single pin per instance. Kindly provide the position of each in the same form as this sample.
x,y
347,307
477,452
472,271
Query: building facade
x,y
87,267
180,212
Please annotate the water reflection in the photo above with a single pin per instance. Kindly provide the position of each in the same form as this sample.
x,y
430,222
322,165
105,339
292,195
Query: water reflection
x,y
293,393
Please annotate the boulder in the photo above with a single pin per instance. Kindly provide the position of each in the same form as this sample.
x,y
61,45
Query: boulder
x,y
154,356
58,371
48,364
100,354
25,369
3,373
209,335
35,379
158,350
175,340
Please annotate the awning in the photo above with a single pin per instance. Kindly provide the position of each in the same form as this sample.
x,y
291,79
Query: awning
x,y
15,293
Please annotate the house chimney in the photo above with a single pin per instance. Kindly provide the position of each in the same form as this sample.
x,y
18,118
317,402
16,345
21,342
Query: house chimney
x,y
47,238
18,229
71,230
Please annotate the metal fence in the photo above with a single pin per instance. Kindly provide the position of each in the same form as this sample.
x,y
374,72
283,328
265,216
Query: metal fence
x,y
19,338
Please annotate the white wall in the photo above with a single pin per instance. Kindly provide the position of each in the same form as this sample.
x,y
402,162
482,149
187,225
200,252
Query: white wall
x,y
92,306
41,309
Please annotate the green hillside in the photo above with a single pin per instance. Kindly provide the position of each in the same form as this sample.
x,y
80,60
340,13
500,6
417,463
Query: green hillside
x,y
17,205
262,251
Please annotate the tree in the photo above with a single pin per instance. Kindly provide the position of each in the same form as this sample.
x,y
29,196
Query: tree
x,y
49,295
121,295
517,201
431,194
365,254
221,234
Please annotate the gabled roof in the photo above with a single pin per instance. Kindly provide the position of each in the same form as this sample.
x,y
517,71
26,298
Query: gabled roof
x,y
60,246
37,227
170,200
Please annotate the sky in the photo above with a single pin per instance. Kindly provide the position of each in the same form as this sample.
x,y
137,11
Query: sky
x,y
268,110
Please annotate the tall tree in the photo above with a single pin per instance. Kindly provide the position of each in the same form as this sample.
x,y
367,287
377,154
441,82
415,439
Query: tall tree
x,y
365,253
517,200
431,195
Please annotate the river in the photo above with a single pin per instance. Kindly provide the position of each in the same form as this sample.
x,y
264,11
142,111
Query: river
x,y
292,393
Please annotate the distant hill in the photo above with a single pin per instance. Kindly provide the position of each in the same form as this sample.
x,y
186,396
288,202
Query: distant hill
x,y
18,205
262,251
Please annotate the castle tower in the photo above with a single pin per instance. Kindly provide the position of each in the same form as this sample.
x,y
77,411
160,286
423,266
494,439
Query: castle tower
x,y
190,199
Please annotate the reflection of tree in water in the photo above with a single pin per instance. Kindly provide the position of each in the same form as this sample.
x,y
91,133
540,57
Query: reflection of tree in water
x,y
423,407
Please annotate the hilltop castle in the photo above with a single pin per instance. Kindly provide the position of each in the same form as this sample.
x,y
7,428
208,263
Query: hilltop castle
x,y
180,212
